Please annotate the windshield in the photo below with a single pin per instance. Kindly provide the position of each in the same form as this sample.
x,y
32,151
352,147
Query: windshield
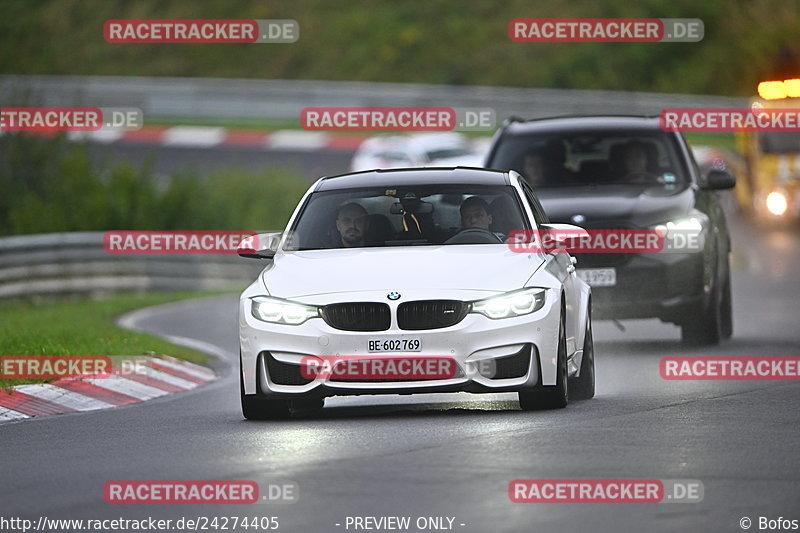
x,y
593,158
407,216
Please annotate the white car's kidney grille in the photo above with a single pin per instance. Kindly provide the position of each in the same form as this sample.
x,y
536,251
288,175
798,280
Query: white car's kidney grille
x,y
430,314
358,316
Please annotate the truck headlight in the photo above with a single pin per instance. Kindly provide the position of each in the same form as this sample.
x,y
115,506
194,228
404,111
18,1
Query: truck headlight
x,y
510,304
279,311
776,203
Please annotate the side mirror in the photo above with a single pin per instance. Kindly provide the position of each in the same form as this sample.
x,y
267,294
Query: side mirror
x,y
260,246
566,236
718,179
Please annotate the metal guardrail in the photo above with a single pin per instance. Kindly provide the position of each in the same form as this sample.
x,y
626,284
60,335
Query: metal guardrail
x,y
64,263
77,262
204,98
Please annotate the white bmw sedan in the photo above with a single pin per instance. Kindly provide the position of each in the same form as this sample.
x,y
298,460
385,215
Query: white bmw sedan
x,y
400,282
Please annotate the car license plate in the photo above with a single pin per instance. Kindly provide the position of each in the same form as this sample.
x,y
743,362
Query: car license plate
x,y
394,345
598,277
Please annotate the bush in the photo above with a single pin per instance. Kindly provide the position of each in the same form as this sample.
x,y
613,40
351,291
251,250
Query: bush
x,y
48,185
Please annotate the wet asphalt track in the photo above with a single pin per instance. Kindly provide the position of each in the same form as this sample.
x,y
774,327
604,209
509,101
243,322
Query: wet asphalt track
x,y
446,455
454,455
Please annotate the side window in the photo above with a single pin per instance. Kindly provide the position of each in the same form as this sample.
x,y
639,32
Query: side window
x,y
538,212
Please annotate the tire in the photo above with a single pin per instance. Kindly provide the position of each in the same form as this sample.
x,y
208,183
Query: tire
x,y
545,397
582,387
726,306
256,408
704,327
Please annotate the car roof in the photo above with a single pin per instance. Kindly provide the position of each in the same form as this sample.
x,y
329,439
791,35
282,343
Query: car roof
x,y
414,176
583,122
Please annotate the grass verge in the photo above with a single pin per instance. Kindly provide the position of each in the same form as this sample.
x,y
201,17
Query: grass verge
x,y
83,327
265,126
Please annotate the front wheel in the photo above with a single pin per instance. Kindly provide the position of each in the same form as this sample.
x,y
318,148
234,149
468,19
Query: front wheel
x,y
582,387
256,408
550,396
705,326
726,307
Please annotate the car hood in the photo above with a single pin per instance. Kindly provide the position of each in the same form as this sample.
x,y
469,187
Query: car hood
x,y
635,205
457,267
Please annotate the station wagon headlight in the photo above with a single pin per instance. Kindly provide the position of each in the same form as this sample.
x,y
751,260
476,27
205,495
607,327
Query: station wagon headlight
x,y
685,234
280,311
692,223
510,304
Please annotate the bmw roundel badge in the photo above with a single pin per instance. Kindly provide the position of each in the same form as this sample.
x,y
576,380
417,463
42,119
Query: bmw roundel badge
x,y
393,295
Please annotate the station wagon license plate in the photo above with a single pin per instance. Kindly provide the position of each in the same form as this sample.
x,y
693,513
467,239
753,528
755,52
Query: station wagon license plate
x,y
598,277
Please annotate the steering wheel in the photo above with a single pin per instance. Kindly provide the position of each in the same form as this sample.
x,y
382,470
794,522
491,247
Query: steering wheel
x,y
474,236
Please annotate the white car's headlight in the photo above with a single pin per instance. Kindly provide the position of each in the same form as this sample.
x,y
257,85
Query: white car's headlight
x,y
280,311
516,303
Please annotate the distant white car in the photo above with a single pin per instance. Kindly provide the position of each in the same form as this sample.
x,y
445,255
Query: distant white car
x,y
417,150
380,269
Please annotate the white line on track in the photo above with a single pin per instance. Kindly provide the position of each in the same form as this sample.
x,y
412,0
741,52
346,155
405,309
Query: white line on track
x,y
7,414
69,399
128,387
202,137
298,140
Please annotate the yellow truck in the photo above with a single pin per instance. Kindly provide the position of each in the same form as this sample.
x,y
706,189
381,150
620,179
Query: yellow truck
x,y
769,188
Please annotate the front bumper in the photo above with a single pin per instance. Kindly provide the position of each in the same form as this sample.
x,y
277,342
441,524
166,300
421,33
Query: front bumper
x,y
270,351
666,286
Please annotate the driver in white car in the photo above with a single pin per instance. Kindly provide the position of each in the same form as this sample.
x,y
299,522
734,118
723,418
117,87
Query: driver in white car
x,y
352,224
476,214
